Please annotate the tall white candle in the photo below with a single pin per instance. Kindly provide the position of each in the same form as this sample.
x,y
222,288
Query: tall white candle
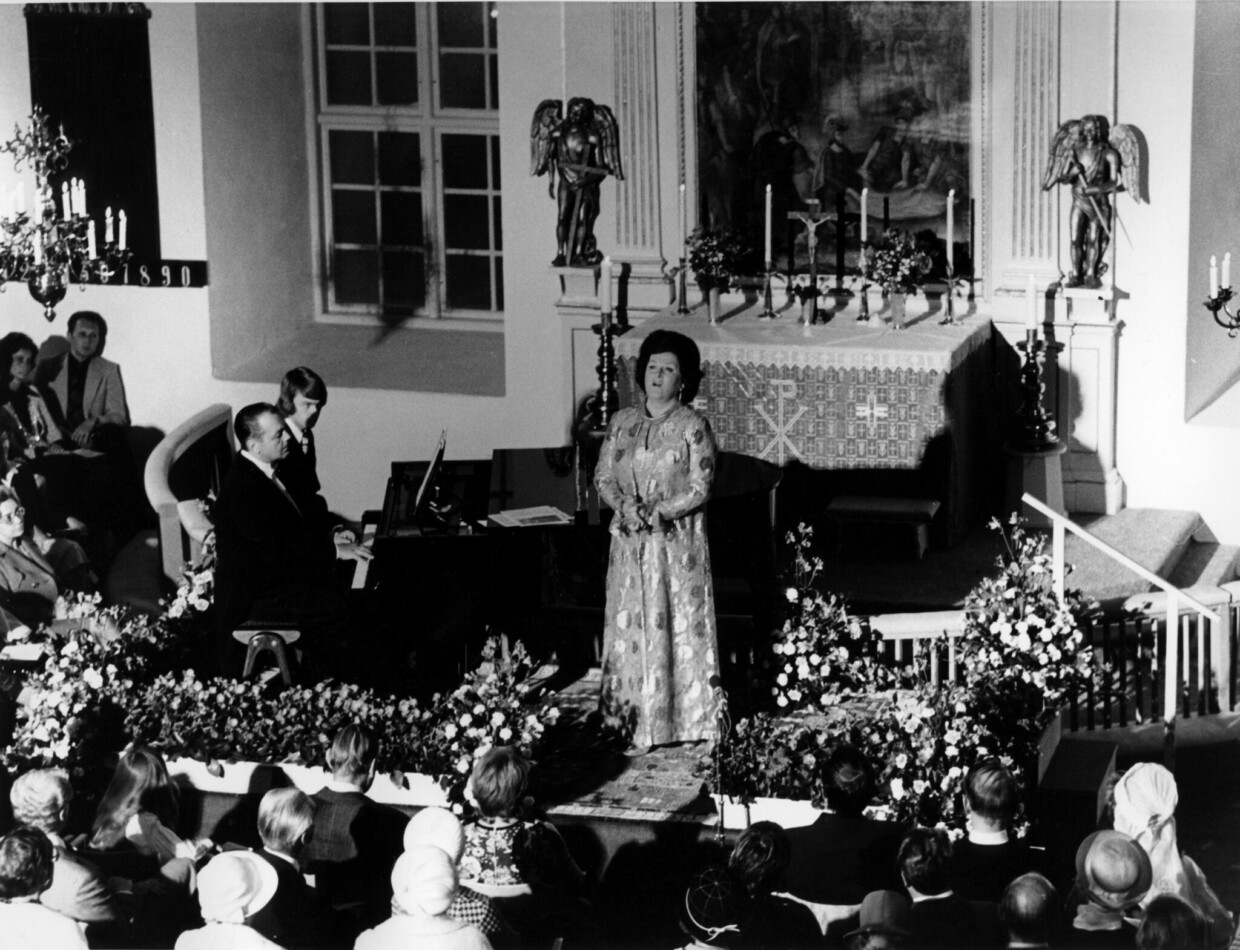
x,y
1031,305
124,221
865,215
64,200
107,227
680,219
767,244
38,248
604,285
1213,276
1227,269
21,197
951,228
90,240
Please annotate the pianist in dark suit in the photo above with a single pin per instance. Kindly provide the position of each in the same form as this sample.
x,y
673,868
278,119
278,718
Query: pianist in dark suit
x,y
275,549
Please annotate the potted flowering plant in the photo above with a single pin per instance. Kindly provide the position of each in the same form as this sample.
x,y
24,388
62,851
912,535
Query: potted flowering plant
x,y
716,256
897,264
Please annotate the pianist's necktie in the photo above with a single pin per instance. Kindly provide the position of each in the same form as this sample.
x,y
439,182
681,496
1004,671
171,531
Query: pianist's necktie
x,y
308,446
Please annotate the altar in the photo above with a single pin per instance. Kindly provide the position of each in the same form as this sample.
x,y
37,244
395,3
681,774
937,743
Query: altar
x,y
848,395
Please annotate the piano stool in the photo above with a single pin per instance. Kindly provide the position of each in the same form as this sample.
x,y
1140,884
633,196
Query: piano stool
x,y
265,637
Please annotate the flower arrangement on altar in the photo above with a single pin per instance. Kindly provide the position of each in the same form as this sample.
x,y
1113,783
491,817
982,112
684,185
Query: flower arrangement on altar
x,y
896,263
717,257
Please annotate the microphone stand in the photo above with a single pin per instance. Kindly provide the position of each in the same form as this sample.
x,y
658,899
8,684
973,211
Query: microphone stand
x,y
723,729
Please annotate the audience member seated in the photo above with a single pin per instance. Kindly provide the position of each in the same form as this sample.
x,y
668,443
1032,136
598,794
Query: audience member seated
x,y
355,841
1146,797
424,885
1113,875
987,858
86,390
1029,909
712,910
141,808
26,859
843,855
34,568
232,888
442,829
939,918
1171,923
295,916
275,550
758,863
883,923
560,906
497,784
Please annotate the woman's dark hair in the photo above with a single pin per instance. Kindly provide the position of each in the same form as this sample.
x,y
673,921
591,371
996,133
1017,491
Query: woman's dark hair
x,y
1171,923
140,783
925,859
849,780
25,863
760,857
10,346
686,353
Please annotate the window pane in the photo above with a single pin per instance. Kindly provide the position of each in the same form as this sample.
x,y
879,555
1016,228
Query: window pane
x,y
404,281
493,25
347,23
396,75
353,217
495,162
469,282
499,283
353,158
465,222
499,231
400,159
493,76
395,24
402,218
460,24
356,277
462,84
464,161
348,78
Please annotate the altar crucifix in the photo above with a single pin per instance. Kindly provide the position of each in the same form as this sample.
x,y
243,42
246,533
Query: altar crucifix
x,y
812,219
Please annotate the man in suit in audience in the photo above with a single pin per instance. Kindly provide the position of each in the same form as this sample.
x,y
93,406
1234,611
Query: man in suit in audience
x,y
355,841
275,549
87,388
988,859
843,855
296,916
939,918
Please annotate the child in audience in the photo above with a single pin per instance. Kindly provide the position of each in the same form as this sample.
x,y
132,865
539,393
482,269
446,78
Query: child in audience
x,y
758,863
142,806
424,884
1171,924
232,888
498,786
26,872
988,857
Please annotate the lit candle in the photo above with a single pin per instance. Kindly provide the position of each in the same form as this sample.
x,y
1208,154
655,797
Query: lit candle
x,y
124,222
80,206
1031,303
38,248
21,197
90,240
767,245
865,214
64,200
951,228
604,286
680,218
1213,276
1227,269
107,226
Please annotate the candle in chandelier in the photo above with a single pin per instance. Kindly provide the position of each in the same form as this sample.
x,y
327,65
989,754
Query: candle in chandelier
x,y
107,226
1031,304
38,249
1227,269
604,286
951,228
90,240
767,243
64,200
1213,276
79,206
124,222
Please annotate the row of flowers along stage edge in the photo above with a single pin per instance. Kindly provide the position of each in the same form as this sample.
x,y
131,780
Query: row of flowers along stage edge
x,y
1022,655
112,677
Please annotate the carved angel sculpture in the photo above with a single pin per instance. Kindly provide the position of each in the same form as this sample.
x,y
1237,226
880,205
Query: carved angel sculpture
x,y
582,150
1096,161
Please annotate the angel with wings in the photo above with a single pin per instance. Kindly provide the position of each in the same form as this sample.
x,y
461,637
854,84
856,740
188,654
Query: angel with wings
x,y
1096,161
582,149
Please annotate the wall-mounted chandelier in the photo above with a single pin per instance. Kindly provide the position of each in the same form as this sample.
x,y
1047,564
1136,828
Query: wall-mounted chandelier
x,y
56,243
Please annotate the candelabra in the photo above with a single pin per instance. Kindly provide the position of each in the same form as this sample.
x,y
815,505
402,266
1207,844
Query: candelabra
x,y
45,249
1217,304
682,288
604,403
1035,432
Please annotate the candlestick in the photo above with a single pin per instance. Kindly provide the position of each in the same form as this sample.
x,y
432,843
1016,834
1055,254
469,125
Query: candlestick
x,y
1213,276
1227,269
767,239
124,226
108,236
604,285
951,229
1031,304
38,249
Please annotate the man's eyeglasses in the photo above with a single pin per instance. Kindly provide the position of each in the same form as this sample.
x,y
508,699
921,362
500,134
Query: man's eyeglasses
x,y
14,516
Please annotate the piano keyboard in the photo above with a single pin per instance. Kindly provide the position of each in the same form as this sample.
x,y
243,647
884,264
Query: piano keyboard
x,y
363,567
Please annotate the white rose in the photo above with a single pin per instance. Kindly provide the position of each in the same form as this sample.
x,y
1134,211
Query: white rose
x,y
792,594
897,788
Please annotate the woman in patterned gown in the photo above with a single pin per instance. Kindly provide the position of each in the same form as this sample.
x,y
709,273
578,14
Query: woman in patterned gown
x,y
655,471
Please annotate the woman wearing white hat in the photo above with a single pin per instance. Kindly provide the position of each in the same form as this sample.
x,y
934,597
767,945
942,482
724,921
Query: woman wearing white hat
x,y
233,887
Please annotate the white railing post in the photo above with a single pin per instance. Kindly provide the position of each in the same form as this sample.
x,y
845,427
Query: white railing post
x,y
1058,545
1171,658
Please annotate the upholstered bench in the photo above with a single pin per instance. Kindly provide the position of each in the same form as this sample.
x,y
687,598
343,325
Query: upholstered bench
x,y
860,509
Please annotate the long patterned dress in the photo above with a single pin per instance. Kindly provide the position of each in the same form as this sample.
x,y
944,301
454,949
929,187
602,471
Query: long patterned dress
x,y
659,643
